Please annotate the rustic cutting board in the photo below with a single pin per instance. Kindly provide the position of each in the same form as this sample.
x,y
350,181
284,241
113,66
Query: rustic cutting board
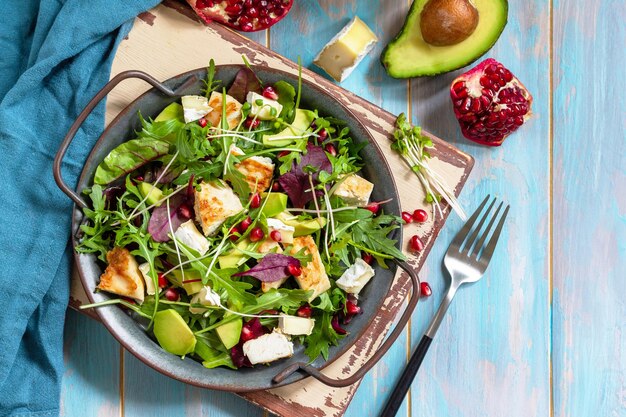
x,y
170,40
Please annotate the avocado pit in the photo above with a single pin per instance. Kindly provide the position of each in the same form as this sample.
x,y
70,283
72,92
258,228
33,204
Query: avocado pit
x,y
448,22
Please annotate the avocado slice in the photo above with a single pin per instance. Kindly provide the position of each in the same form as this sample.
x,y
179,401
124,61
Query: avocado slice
x,y
172,333
408,55
171,112
303,227
153,193
276,203
230,332
234,258
190,287
301,122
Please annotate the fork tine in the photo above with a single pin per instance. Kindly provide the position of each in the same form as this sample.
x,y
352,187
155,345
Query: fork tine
x,y
483,237
472,239
462,234
491,245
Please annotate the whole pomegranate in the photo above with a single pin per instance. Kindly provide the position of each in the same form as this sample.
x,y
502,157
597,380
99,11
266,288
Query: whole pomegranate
x,y
489,103
243,15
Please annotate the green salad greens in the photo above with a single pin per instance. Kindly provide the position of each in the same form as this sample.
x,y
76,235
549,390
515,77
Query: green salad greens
x,y
236,224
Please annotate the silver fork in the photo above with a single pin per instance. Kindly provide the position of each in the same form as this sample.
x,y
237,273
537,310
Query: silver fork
x,y
466,260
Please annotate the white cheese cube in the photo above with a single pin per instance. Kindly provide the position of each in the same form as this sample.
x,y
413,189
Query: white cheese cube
x,y
188,234
286,231
355,190
261,107
354,278
195,107
144,268
207,297
215,202
344,51
268,348
295,326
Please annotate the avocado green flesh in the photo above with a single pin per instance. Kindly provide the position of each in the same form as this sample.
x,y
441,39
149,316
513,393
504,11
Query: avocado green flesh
x,y
173,111
172,333
153,193
276,203
301,122
302,227
190,288
408,55
230,332
234,258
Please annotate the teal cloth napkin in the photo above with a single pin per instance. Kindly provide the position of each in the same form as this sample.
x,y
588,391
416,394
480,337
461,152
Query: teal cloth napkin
x,y
54,56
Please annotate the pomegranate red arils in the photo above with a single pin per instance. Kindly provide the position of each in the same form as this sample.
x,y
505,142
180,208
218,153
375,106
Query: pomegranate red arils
x,y
425,290
245,223
294,270
490,103
336,327
323,134
251,330
276,186
407,217
373,207
202,122
275,236
283,153
368,258
330,148
269,92
256,234
255,200
416,244
251,123
244,15
304,311
162,280
420,215
184,211
352,308
172,294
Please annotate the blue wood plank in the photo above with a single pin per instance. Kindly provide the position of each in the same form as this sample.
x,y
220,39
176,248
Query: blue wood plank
x,y
318,22
490,357
91,379
590,209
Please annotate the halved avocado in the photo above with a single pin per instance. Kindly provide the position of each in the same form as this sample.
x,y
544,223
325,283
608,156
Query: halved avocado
x,y
408,55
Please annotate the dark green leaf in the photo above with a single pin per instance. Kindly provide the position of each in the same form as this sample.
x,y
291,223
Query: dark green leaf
x,y
129,156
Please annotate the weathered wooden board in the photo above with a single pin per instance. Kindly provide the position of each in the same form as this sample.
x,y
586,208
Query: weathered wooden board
x,y
454,166
589,229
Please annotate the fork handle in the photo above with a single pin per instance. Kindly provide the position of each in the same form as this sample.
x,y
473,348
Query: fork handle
x,y
406,379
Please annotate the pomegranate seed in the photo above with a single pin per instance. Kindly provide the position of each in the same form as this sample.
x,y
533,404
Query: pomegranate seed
x,y
234,9
247,334
283,153
269,92
184,211
245,223
368,258
276,186
247,27
334,322
407,217
202,122
323,134
294,270
251,123
304,311
416,244
420,215
269,312
172,294
252,12
275,236
352,308
330,148
139,178
255,201
425,290
256,234
373,207
162,280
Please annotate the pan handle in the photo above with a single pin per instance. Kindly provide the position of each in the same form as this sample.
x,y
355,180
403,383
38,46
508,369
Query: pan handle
x,y
360,373
85,113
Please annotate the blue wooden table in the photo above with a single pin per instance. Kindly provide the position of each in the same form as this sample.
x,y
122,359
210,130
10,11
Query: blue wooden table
x,y
544,333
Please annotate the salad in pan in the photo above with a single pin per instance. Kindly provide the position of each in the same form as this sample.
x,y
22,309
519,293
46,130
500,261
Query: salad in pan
x,y
236,224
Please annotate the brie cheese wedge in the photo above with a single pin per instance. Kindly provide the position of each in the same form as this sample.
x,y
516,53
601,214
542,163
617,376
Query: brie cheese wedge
x,y
354,278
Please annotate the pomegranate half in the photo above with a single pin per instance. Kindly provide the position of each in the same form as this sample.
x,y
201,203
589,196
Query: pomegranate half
x,y
243,15
490,103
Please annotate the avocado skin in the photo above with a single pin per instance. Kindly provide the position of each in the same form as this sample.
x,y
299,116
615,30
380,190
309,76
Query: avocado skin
x,y
412,21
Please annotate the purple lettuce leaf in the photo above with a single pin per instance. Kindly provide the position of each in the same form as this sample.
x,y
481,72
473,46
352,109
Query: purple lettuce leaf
x,y
296,182
245,81
272,267
180,211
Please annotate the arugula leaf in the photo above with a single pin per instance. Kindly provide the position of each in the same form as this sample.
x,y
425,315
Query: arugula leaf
x,y
210,84
162,130
286,95
322,337
370,235
212,358
129,156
